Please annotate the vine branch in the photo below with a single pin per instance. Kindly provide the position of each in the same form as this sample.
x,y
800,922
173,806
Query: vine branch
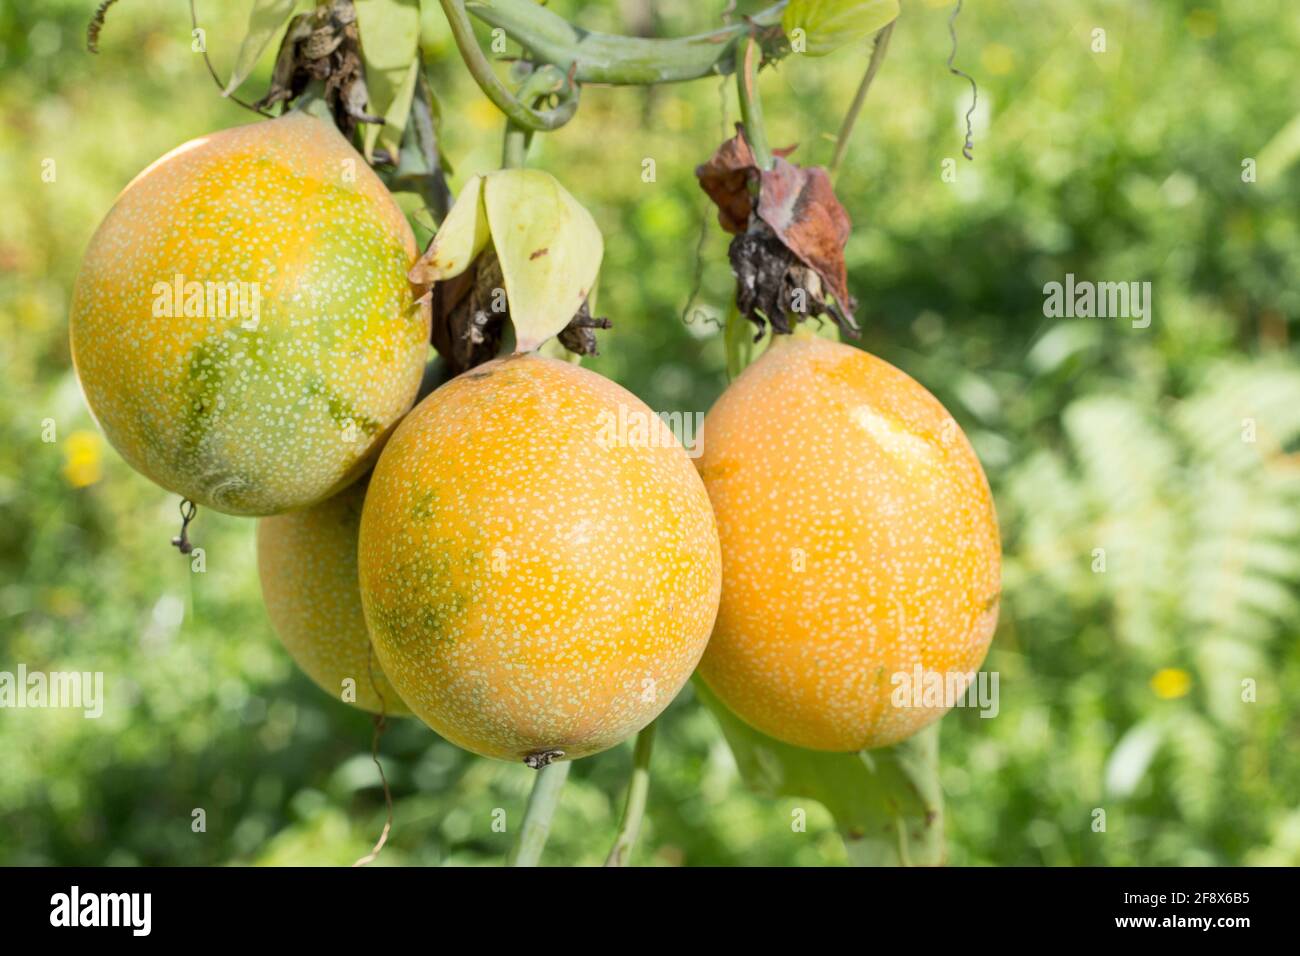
x,y
480,68
96,24
751,107
974,90
873,66
625,60
537,87
380,724
194,25
514,146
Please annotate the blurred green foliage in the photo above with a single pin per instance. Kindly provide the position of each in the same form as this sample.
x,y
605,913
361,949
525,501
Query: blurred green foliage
x,y
1120,689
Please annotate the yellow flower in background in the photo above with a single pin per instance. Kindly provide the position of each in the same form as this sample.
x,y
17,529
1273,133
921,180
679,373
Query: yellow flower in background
x,y
83,458
998,59
32,310
483,114
1170,683
62,602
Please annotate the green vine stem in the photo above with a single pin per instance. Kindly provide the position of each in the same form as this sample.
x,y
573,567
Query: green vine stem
x,y
519,113
638,788
514,146
537,815
738,339
751,107
537,87
737,331
622,60
873,66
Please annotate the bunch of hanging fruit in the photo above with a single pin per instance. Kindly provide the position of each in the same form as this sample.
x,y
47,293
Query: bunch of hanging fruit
x,y
456,536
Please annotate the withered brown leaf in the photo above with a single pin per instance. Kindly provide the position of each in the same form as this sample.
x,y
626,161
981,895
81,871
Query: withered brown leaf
x,y
796,209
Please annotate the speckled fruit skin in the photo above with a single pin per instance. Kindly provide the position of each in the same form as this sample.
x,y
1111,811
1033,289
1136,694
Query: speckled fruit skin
x,y
531,586
307,562
823,456
283,413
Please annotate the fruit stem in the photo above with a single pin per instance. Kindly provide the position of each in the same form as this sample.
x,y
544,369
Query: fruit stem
x,y
537,815
751,107
638,787
878,51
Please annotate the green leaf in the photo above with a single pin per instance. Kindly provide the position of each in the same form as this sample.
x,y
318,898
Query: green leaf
x,y
390,135
818,27
421,167
887,803
549,248
267,17
1280,152
390,41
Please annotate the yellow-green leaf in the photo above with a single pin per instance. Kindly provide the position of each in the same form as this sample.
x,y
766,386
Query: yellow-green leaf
x,y
1280,152
817,27
549,248
460,238
390,38
395,117
267,17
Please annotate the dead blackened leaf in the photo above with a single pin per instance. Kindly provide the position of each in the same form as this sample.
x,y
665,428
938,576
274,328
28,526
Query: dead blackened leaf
x,y
323,45
773,283
579,336
788,254
471,312
760,262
